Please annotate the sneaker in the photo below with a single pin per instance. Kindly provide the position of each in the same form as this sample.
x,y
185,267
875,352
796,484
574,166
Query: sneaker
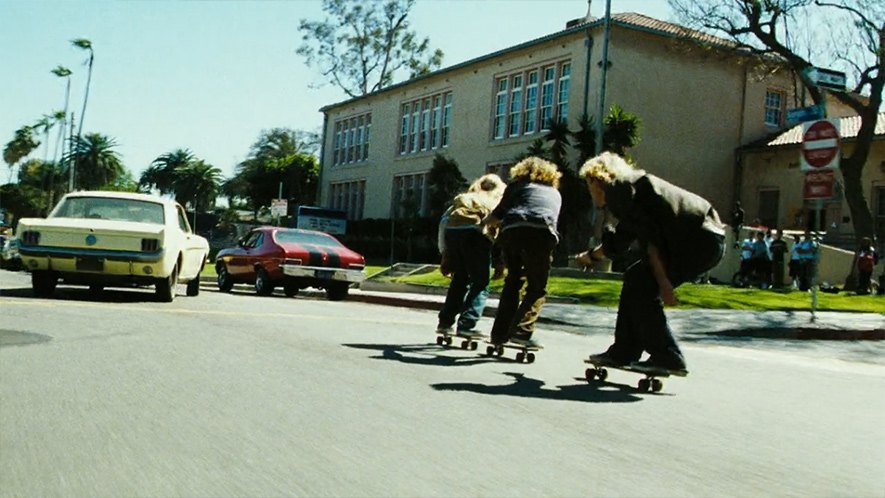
x,y
525,341
674,364
445,330
607,359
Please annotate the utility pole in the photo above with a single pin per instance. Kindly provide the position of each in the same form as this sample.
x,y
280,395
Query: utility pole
x,y
600,113
72,157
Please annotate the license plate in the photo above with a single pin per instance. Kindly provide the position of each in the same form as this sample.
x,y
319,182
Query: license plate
x,y
324,274
90,264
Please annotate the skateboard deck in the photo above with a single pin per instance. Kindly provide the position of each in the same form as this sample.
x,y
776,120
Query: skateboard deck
x,y
524,354
651,382
469,342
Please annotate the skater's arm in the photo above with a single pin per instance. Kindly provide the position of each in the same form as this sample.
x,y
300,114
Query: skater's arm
x,y
659,271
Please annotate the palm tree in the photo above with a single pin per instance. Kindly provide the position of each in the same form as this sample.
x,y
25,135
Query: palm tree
x,y
161,174
83,44
558,136
198,185
62,72
19,147
621,130
98,162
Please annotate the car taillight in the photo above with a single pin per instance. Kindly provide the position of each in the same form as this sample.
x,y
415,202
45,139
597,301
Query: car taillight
x,y
150,245
30,237
292,261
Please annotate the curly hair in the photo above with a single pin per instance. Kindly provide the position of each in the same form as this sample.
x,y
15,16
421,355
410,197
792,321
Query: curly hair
x,y
490,183
535,169
607,168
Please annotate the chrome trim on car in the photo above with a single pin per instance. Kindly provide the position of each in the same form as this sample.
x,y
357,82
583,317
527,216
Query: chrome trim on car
x,y
337,274
67,252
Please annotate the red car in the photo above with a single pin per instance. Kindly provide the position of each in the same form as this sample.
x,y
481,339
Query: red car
x,y
292,258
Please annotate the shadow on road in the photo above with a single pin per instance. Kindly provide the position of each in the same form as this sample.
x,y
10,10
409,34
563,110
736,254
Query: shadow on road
x,y
134,295
527,387
419,354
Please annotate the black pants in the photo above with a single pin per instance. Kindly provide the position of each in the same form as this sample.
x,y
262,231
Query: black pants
x,y
863,282
469,255
528,254
641,324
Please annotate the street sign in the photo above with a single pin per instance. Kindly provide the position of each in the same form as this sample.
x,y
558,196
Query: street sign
x,y
279,207
827,78
819,184
802,114
820,145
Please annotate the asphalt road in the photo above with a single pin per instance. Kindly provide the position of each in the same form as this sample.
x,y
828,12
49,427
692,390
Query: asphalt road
x,y
235,395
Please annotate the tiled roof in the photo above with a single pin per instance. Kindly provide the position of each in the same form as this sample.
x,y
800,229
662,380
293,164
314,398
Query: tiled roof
x,y
633,19
848,128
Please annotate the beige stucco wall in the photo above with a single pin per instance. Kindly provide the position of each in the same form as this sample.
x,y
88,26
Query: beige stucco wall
x,y
695,106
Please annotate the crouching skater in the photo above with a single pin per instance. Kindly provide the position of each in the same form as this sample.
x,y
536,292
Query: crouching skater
x,y
680,237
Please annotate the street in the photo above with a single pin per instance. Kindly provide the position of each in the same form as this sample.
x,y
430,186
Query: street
x,y
238,395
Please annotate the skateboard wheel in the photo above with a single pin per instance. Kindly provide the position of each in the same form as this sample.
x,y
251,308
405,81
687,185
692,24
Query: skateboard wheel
x,y
520,357
448,341
644,385
473,346
465,344
590,374
656,385
439,340
602,374
490,350
530,357
499,350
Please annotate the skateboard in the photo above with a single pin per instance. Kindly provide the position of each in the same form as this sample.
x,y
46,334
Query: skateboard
x,y
651,382
525,354
469,342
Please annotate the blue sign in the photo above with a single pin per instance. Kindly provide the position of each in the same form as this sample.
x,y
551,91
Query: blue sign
x,y
803,114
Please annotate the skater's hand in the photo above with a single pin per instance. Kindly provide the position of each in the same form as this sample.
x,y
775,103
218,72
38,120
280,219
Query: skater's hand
x,y
444,267
667,294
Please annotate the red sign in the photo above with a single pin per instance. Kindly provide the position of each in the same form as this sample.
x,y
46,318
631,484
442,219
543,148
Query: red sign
x,y
820,145
819,184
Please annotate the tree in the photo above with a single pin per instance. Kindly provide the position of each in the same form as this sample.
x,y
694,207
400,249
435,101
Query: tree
x,y
854,31
362,46
97,161
22,144
46,179
62,72
161,174
197,185
82,44
621,130
445,181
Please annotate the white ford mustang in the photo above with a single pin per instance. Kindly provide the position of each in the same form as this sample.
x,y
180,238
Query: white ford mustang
x,y
113,239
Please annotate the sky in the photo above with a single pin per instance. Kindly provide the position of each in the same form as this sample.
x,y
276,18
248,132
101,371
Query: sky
x,y
211,75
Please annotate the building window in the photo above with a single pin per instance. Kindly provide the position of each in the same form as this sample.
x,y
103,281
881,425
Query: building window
x,y
349,197
409,195
424,123
774,107
351,140
531,99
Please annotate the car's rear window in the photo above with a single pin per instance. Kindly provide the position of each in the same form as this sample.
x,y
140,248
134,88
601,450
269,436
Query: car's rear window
x,y
110,208
318,239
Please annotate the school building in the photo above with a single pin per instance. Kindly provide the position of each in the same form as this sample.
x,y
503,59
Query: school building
x,y
699,105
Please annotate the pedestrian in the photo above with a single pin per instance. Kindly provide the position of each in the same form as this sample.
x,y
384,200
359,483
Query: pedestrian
x,y
527,215
761,260
808,255
778,249
737,221
795,262
867,259
466,247
680,236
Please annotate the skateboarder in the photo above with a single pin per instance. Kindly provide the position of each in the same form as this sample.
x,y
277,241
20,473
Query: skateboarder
x,y
680,237
527,215
466,249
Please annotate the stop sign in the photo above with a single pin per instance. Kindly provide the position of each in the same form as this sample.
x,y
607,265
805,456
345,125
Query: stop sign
x,y
820,145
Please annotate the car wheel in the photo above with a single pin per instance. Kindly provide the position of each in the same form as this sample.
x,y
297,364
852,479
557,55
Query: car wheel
x,y
193,287
263,285
43,282
225,282
166,287
337,292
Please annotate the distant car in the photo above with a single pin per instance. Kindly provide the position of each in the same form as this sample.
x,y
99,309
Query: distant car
x,y
10,259
268,257
109,239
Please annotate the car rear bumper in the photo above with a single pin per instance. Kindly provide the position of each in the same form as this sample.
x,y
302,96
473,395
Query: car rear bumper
x,y
94,262
320,273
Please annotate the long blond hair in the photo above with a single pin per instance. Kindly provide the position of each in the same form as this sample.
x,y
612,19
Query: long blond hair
x,y
608,168
536,170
